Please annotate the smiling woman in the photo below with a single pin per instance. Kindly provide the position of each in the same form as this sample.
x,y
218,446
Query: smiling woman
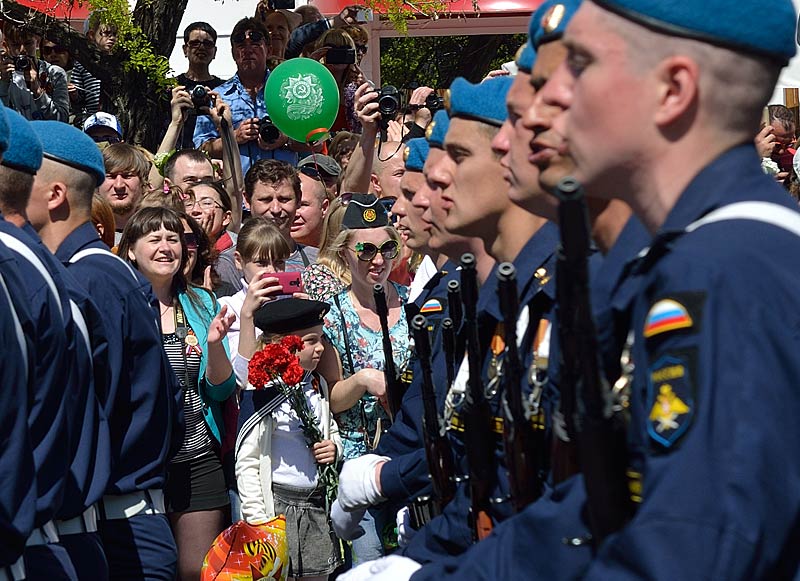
x,y
194,330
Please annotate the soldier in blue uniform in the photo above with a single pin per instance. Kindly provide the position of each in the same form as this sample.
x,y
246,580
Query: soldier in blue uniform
x,y
135,531
63,392
18,484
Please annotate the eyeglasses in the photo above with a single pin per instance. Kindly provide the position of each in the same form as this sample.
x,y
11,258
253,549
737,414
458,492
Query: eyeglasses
x,y
106,139
313,172
205,203
191,240
366,251
253,35
199,43
51,49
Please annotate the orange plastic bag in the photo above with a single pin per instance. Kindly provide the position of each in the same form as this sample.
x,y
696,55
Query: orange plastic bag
x,y
245,552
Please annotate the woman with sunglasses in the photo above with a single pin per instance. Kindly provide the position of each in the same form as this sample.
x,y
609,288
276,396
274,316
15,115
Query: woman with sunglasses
x,y
194,330
368,246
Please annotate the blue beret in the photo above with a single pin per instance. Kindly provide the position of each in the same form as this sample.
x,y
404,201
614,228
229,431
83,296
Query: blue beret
x,y
437,129
65,144
416,153
24,151
484,102
4,133
765,27
550,20
526,56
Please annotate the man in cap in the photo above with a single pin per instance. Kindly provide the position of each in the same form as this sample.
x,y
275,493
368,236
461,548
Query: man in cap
x,y
323,168
68,335
103,127
18,489
314,199
132,524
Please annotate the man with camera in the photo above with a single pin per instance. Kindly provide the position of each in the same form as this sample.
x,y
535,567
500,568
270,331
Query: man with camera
x,y
33,88
244,93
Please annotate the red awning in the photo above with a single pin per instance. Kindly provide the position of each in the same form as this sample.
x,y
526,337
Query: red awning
x,y
330,7
61,9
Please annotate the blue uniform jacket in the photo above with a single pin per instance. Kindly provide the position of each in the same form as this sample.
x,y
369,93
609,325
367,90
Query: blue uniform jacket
x,y
17,476
449,533
51,415
145,435
714,427
90,449
211,395
407,476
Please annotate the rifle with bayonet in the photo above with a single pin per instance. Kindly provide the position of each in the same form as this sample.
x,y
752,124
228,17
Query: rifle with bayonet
x,y
523,444
585,395
476,413
394,387
437,445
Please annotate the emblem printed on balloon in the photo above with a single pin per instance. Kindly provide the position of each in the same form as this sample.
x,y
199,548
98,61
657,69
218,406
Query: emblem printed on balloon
x,y
303,95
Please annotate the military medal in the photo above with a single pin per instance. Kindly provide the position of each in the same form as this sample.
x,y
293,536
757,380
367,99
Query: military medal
x,y
192,344
496,364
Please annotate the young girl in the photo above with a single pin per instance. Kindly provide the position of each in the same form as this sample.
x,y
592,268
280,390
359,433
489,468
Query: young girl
x,y
276,466
260,249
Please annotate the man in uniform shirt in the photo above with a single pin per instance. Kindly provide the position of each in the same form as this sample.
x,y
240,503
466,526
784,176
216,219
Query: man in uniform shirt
x,y
132,522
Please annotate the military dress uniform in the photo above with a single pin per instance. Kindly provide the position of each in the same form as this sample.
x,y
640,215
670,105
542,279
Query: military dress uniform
x,y
131,519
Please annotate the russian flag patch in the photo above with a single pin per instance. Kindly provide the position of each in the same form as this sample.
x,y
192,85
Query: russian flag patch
x,y
666,315
431,306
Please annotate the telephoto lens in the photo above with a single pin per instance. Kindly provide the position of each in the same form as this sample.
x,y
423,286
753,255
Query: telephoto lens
x,y
267,130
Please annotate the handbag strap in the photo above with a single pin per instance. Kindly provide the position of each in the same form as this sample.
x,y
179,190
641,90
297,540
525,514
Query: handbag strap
x,y
344,335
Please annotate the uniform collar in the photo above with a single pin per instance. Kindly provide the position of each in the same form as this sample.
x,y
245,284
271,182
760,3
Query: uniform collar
x,y
83,236
718,184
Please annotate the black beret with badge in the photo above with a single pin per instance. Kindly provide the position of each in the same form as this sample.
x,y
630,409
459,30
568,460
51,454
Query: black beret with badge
x,y
364,211
288,315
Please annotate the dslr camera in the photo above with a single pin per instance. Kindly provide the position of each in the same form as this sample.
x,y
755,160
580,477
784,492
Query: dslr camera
x,y
388,103
434,103
267,130
201,98
22,64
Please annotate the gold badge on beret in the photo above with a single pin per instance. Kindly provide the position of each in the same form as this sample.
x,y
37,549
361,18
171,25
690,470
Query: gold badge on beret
x,y
553,17
519,52
447,100
429,130
406,153
369,215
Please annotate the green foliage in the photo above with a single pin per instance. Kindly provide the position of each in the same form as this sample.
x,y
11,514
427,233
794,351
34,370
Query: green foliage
x,y
398,12
141,58
434,61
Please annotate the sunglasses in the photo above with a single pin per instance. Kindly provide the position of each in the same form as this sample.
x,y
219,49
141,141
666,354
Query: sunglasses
x,y
191,240
199,43
366,251
313,172
105,138
253,35
51,49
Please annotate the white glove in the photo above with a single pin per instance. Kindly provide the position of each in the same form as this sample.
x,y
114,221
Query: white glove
x,y
357,485
345,524
391,568
405,532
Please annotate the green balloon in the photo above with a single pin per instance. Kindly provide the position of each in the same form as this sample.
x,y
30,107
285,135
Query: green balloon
x,y
302,99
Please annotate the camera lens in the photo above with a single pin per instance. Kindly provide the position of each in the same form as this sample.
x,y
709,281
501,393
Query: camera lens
x,y
22,63
388,102
267,130
200,97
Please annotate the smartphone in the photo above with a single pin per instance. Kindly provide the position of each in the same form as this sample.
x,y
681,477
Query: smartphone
x,y
364,15
765,117
340,55
290,281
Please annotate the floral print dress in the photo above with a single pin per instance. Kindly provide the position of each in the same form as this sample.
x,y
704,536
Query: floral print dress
x,y
359,424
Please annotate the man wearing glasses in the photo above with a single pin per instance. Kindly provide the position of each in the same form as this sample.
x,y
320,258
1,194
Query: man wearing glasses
x,y
103,128
199,48
244,93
